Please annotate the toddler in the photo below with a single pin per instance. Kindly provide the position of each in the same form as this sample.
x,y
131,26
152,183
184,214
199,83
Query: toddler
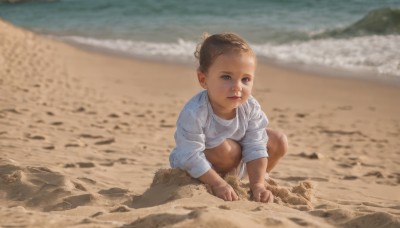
x,y
222,129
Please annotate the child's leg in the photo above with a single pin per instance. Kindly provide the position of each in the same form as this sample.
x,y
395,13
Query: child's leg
x,y
224,157
228,154
277,147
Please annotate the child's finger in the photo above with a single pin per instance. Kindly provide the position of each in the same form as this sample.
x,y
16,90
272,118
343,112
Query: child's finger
x,y
263,197
228,197
268,197
257,197
234,196
271,198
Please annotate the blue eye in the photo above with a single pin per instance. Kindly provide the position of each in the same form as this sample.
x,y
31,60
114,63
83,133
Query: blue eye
x,y
226,77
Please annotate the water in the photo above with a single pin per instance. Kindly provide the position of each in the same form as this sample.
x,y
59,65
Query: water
x,y
357,35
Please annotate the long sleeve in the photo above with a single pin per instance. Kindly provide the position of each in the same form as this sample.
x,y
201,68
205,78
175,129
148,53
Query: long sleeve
x,y
190,145
254,143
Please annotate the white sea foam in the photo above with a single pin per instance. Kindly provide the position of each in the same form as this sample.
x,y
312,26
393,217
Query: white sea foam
x,y
376,54
180,50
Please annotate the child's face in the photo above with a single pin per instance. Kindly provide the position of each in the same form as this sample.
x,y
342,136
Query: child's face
x,y
229,82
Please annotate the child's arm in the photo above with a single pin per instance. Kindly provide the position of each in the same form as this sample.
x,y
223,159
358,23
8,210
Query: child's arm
x,y
256,170
219,186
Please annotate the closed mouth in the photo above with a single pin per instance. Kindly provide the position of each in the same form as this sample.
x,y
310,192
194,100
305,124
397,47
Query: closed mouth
x,y
234,97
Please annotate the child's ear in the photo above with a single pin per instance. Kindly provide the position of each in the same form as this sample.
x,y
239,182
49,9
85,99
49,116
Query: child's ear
x,y
202,79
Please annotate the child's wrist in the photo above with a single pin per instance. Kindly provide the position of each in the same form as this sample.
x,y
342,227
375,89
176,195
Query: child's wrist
x,y
256,185
212,179
217,183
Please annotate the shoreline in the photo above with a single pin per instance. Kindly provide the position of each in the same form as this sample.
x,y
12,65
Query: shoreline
x,y
324,71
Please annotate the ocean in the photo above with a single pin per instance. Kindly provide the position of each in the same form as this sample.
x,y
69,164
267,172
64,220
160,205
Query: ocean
x,y
360,36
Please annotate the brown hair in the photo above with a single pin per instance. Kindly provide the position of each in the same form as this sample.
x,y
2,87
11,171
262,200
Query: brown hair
x,y
213,46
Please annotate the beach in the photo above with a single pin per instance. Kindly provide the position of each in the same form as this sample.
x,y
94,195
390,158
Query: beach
x,y
85,138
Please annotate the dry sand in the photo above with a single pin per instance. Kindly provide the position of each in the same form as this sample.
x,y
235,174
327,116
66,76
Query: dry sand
x,y
85,139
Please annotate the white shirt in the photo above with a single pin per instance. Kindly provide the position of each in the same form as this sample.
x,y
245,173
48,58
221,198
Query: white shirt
x,y
198,128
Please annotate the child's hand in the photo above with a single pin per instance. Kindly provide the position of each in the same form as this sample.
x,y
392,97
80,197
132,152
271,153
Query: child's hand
x,y
224,191
219,187
261,194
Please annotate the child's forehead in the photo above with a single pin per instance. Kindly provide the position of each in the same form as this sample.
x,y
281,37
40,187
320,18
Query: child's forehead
x,y
239,56
244,63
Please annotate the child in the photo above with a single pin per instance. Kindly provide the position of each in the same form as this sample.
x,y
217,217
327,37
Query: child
x,y
223,128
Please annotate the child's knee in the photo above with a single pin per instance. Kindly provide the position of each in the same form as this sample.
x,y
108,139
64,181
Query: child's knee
x,y
226,156
283,143
278,143
230,151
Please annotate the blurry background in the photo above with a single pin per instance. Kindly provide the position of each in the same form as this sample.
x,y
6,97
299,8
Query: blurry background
x,y
362,36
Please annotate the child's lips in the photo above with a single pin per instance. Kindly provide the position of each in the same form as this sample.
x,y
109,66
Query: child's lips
x,y
234,98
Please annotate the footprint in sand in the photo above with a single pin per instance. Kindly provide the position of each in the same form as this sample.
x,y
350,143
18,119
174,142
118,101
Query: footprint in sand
x,y
97,214
107,164
86,164
89,136
80,109
301,115
337,215
269,221
350,177
113,115
10,110
300,221
313,155
35,137
224,207
78,186
105,142
87,180
376,174
75,143
57,123
164,125
122,208
114,192
49,147
72,145
72,202
69,165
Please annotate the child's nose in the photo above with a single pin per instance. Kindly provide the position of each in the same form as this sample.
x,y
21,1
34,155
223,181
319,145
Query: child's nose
x,y
236,86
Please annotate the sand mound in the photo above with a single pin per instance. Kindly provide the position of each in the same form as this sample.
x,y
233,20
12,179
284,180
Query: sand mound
x,y
289,196
300,194
168,185
172,184
40,187
336,216
377,219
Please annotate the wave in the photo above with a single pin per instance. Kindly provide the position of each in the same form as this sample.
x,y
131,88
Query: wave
x,y
383,21
181,50
355,54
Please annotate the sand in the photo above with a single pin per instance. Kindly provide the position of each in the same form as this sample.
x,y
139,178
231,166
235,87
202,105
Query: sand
x,y
85,139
